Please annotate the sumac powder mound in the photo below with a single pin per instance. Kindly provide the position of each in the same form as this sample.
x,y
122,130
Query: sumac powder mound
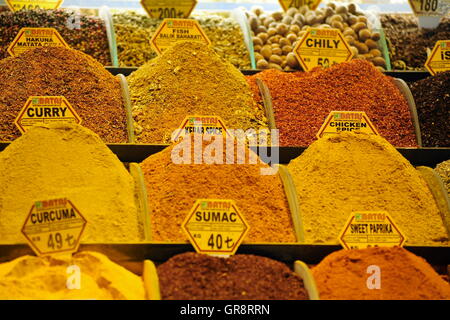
x,y
302,101
92,91
378,274
432,97
193,276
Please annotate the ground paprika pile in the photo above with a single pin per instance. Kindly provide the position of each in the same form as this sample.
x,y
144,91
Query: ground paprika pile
x,y
302,101
378,274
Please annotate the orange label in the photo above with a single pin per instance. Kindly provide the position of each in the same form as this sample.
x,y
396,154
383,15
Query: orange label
x,y
171,31
16,5
30,38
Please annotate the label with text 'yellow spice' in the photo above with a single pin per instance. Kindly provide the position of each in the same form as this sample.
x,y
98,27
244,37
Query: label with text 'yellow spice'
x,y
322,47
45,110
162,9
54,226
365,229
171,31
207,125
30,38
286,4
338,121
215,226
16,5
439,59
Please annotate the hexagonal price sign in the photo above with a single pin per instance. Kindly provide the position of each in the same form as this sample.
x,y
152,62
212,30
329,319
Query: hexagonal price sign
x,y
339,121
207,125
365,229
439,59
162,9
322,47
429,7
44,110
30,38
286,4
54,226
215,226
16,5
171,31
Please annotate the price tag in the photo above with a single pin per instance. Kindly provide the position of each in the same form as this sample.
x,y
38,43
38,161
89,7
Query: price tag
x,y
44,110
430,7
16,5
207,125
215,226
30,38
439,59
339,121
322,47
286,4
54,226
367,229
162,9
171,31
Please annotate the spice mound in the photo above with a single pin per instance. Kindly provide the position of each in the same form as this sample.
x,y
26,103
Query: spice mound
x,y
173,189
49,278
189,79
432,101
344,275
193,276
82,32
67,161
349,172
443,169
303,100
55,71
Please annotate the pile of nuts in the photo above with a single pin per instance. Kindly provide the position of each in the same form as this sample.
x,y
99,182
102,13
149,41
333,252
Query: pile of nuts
x,y
275,35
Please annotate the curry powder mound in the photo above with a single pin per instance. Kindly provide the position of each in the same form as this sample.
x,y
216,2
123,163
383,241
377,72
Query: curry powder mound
x,y
45,278
343,275
67,160
349,172
193,276
92,91
189,79
173,189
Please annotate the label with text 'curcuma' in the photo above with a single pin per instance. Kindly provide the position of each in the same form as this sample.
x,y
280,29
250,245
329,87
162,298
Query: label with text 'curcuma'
x,y
351,121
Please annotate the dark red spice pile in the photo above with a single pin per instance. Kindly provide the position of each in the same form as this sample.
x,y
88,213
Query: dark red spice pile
x,y
193,276
302,101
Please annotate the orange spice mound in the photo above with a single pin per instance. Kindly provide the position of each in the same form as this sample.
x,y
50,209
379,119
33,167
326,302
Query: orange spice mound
x,y
343,275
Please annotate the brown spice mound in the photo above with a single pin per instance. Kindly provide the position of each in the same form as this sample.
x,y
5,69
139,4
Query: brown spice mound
x,y
55,71
192,276
173,188
302,101
404,276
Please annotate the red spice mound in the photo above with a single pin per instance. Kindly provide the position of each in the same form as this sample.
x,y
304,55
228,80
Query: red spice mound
x,y
193,276
302,101
403,275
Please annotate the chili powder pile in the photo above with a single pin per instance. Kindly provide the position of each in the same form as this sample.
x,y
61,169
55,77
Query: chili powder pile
x,y
193,276
172,190
432,97
343,275
302,101
92,91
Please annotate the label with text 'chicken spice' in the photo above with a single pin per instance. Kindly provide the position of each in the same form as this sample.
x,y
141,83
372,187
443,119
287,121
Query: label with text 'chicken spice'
x,y
30,38
339,121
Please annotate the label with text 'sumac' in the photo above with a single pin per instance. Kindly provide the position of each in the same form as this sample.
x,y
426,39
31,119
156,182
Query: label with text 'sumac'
x,y
339,121
30,38
45,110
365,229
54,226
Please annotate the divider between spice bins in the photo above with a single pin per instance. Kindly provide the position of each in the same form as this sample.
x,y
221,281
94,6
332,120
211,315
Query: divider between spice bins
x,y
153,291
141,199
240,17
127,104
375,25
105,14
404,89
267,102
439,192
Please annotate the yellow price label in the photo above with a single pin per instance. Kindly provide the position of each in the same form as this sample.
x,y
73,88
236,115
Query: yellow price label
x,y
215,226
439,59
350,121
16,5
162,9
286,4
430,7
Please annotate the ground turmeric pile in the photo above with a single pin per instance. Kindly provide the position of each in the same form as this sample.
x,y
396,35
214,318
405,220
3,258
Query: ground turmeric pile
x,y
173,188
189,79
353,275
49,278
67,161
349,172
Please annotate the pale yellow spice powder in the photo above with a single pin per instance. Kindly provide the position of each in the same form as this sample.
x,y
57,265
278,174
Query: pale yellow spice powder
x,y
349,172
45,278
